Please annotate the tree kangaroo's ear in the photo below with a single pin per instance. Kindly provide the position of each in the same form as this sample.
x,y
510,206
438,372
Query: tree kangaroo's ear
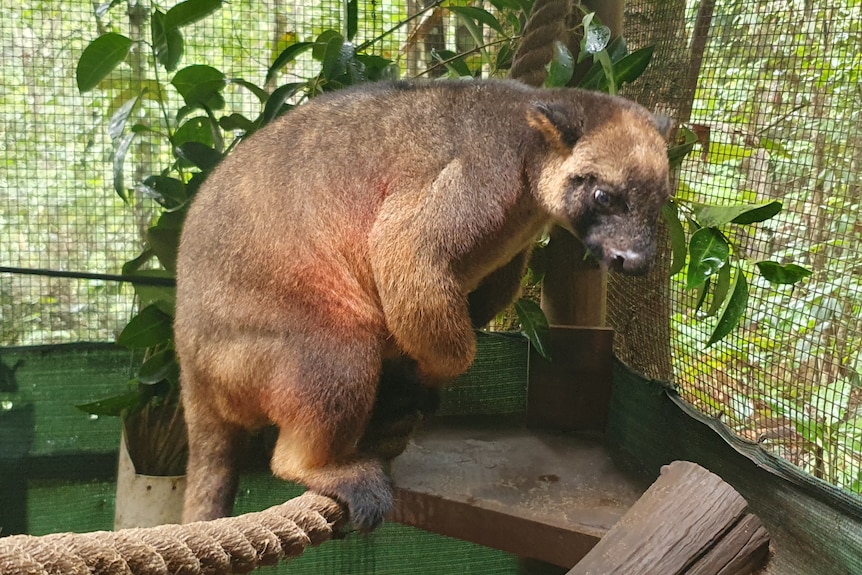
x,y
663,124
556,125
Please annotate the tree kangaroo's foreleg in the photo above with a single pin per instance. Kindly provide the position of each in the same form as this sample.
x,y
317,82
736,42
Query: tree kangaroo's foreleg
x,y
412,245
426,312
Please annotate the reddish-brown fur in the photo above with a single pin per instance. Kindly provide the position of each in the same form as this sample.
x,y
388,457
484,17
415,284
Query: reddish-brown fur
x,y
361,238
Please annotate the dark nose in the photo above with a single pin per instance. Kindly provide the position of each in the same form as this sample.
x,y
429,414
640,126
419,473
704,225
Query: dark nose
x,y
628,262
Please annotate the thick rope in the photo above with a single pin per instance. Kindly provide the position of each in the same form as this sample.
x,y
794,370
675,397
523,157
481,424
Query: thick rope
x,y
546,24
229,545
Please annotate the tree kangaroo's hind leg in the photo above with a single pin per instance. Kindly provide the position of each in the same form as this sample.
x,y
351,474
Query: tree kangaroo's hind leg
x,y
322,404
402,403
211,478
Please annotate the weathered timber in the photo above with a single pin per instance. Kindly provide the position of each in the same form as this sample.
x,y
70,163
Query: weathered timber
x,y
540,495
689,522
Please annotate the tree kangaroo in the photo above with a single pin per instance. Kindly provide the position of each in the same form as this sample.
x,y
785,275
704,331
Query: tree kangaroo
x,y
361,238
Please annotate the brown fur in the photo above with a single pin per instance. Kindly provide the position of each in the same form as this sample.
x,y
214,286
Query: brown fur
x,y
376,225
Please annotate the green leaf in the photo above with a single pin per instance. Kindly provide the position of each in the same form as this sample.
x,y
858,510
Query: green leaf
x,y
679,247
596,36
733,308
709,215
722,288
776,273
775,148
631,67
161,366
100,58
322,49
593,78
118,163
504,58
454,63
163,297
758,213
167,191
708,253
132,266
720,153
237,122
561,67
113,406
677,153
150,327
201,155
164,238
261,94
618,49
377,67
189,12
195,129
478,15
167,42
201,86
702,292
275,106
117,124
215,132
608,68
534,325
352,14
334,54
287,55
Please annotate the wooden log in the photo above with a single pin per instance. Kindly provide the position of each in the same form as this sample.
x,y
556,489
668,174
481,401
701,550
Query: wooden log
x,y
689,522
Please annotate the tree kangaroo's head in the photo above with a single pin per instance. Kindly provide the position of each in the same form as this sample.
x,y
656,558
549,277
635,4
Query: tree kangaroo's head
x,y
605,177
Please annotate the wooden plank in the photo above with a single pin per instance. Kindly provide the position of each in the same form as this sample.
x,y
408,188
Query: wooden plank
x,y
540,495
573,390
688,522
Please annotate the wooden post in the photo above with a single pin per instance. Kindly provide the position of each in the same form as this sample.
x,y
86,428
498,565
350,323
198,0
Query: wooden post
x,y
574,289
689,522
572,392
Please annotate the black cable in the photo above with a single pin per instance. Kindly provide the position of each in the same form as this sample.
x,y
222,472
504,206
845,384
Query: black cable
x,y
138,280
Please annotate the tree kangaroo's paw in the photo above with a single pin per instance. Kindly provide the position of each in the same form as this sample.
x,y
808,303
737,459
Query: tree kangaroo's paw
x,y
364,488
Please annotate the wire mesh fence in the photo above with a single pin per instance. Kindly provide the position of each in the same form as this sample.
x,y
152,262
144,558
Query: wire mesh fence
x,y
777,113
57,210
772,94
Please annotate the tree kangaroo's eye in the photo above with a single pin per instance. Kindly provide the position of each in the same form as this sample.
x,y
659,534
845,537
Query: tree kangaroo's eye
x,y
602,198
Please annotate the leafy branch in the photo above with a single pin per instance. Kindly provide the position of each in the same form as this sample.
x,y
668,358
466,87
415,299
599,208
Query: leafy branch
x,y
711,264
